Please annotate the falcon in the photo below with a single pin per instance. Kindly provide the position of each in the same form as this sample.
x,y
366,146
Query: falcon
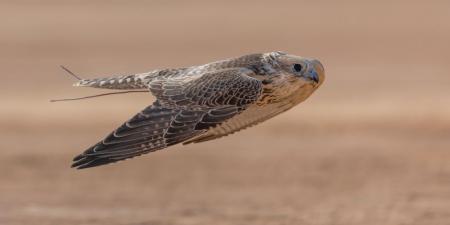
x,y
202,103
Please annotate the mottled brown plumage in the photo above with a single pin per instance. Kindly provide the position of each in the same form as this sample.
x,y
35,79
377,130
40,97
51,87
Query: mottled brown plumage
x,y
206,102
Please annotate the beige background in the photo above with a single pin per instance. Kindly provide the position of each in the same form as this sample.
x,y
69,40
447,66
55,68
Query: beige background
x,y
371,146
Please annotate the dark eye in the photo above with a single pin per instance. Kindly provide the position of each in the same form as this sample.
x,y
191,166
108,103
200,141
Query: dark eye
x,y
298,67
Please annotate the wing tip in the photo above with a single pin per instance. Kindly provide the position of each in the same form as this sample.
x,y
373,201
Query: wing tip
x,y
88,162
79,161
84,161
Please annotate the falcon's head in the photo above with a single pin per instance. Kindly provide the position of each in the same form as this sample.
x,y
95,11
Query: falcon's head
x,y
296,69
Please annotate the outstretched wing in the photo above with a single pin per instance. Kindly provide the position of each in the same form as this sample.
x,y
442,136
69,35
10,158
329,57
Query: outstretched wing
x,y
152,129
174,118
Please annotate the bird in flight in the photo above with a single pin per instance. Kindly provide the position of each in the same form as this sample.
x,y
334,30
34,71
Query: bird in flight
x,y
201,103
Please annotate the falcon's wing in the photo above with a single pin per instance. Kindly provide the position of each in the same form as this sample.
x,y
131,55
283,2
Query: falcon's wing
x,y
208,90
181,112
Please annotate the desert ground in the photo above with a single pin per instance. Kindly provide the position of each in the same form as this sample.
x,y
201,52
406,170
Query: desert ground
x,y
371,146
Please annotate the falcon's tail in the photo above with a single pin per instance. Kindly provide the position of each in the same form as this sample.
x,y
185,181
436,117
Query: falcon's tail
x,y
135,81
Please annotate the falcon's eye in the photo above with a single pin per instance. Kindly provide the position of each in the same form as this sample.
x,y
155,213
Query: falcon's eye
x,y
298,67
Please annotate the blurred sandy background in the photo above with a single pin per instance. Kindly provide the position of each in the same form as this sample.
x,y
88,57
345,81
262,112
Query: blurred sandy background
x,y
371,146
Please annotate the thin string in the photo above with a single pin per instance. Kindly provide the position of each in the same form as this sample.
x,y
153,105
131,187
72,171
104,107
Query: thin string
x,y
94,96
70,72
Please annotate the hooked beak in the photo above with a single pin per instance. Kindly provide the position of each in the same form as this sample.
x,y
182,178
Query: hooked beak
x,y
314,68
312,74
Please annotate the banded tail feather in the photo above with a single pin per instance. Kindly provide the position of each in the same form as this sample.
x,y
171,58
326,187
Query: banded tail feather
x,y
135,81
